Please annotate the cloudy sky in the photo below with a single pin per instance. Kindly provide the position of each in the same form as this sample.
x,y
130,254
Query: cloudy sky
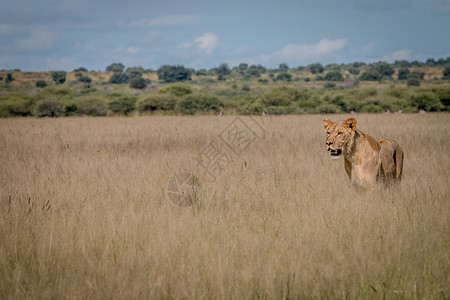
x,y
42,35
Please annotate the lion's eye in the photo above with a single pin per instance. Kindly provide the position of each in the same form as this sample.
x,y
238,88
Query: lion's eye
x,y
339,133
328,133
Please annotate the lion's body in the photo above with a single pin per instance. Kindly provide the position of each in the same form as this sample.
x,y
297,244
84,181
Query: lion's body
x,y
366,159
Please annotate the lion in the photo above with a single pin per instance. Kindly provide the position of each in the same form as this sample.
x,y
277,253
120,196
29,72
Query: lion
x,y
366,160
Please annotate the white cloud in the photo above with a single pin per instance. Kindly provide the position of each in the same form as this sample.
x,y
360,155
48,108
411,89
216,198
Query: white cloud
x,y
369,47
301,53
205,43
133,50
399,55
169,20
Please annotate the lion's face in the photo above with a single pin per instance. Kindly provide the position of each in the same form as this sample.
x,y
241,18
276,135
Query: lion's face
x,y
339,134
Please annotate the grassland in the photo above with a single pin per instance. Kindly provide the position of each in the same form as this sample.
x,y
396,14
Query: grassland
x,y
84,212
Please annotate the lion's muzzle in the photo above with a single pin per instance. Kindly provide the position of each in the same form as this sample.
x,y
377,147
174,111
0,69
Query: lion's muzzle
x,y
335,153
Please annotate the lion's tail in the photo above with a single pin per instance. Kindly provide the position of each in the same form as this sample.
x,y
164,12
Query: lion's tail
x,y
398,160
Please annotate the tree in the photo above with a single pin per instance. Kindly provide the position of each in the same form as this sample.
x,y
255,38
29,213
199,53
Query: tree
x,y
402,64
222,71
403,73
283,68
139,82
134,72
253,71
59,77
201,72
430,62
353,70
334,76
242,68
333,67
118,78
284,77
315,68
9,78
83,78
80,69
384,69
173,73
115,67
446,73
371,76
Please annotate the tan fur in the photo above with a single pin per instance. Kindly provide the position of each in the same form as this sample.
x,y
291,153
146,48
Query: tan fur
x,y
366,159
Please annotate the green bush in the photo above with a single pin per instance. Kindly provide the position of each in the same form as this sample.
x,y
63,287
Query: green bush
x,y
329,85
41,83
123,105
328,108
334,76
15,105
70,107
178,89
444,96
49,108
254,108
57,91
194,103
279,96
372,108
427,101
92,106
83,78
139,83
403,73
413,82
59,77
154,102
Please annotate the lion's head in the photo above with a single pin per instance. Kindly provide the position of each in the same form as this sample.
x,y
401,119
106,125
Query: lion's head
x,y
339,135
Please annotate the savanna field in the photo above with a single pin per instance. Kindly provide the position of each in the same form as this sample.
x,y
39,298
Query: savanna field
x,y
85,211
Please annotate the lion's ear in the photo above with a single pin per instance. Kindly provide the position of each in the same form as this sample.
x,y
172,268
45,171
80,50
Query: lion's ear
x,y
350,123
326,123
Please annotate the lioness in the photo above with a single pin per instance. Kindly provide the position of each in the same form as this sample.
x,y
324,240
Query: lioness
x,y
366,159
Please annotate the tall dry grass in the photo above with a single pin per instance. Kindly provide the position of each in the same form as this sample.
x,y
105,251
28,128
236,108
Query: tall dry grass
x,y
84,212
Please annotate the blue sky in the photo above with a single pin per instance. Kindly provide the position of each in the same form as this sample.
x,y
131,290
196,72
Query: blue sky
x,y
43,35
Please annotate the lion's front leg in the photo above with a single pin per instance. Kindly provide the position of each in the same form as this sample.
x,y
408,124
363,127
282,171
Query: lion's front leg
x,y
348,168
365,175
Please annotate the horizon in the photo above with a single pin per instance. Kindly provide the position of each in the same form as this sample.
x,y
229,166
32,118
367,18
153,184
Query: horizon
x,y
231,67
